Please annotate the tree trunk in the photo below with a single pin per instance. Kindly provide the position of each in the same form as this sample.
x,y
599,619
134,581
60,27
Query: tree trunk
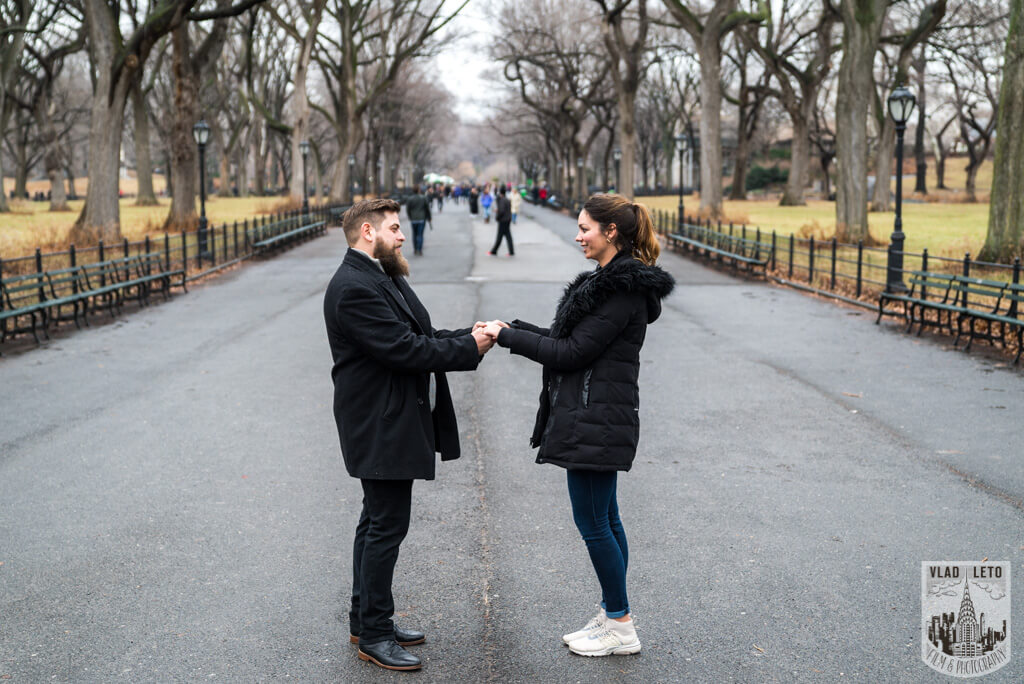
x,y
862,25
1005,238
800,155
627,142
243,170
739,174
710,55
145,197
184,166
51,153
21,167
300,102
881,198
971,183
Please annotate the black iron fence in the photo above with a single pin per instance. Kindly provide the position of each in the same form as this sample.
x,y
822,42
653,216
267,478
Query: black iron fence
x,y
226,244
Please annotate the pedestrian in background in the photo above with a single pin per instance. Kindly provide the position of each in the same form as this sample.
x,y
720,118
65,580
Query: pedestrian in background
x,y
417,208
393,411
503,217
515,199
486,201
589,420
474,201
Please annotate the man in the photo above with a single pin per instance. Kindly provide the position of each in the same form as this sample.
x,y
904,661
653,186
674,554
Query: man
x,y
503,215
417,208
392,407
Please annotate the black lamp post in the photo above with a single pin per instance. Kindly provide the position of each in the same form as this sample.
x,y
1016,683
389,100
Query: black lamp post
x,y
304,147
560,187
901,104
617,156
201,133
579,179
352,178
681,149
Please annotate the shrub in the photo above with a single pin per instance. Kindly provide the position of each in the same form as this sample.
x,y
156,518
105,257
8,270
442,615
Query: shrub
x,y
759,177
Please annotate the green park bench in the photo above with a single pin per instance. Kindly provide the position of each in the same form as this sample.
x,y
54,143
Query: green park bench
x,y
960,301
71,293
279,233
736,250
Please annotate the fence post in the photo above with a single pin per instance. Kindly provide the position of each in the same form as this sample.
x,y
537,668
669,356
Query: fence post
x,y
184,251
924,267
245,232
224,235
967,274
810,264
167,251
792,240
4,321
213,245
39,270
1016,281
234,229
773,248
102,258
860,265
149,266
73,258
833,287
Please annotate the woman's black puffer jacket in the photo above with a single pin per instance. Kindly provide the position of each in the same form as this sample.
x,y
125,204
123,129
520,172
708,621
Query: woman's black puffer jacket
x,y
589,416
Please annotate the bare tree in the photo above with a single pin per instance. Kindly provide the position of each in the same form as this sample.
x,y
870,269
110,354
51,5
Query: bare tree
x,y
1005,238
14,18
708,30
625,37
796,47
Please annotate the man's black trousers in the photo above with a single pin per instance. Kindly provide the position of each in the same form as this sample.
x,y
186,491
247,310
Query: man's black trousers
x,y
503,232
382,526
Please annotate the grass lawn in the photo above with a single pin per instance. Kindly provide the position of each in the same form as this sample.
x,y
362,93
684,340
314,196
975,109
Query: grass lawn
x,y
30,224
945,229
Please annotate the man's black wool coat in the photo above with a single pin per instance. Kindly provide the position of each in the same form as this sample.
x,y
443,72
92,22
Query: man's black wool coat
x,y
384,352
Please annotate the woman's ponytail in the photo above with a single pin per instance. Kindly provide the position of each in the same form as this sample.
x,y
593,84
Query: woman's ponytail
x,y
646,247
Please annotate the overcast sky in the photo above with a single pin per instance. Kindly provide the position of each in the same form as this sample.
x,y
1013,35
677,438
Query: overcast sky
x,y
465,69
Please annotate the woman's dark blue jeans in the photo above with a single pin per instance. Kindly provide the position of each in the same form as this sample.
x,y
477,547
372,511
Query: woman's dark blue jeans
x,y
596,513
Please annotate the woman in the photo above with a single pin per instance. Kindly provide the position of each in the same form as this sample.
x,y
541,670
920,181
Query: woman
x,y
588,421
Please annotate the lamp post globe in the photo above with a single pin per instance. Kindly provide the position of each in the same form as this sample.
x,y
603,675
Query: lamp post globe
x,y
201,134
617,156
901,104
681,150
304,148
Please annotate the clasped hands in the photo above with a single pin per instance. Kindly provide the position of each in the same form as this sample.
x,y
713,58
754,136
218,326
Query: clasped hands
x,y
486,334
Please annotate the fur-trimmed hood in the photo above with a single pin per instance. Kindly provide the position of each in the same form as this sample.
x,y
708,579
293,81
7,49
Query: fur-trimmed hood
x,y
623,274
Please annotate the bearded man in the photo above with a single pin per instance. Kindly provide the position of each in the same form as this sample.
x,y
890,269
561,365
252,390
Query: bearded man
x,y
392,407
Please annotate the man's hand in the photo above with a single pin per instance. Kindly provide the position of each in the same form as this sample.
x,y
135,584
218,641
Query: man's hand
x,y
479,325
484,342
493,328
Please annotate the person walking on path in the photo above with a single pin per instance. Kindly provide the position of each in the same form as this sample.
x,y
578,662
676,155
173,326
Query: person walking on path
x,y
516,200
393,410
486,201
503,217
474,201
588,421
417,208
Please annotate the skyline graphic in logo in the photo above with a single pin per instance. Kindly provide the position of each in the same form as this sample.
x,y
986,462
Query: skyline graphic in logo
x,y
965,612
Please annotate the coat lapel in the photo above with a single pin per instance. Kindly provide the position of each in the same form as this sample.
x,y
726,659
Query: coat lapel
x,y
414,306
363,263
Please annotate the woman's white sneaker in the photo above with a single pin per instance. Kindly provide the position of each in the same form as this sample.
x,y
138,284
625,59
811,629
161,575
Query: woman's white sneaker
x,y
596,622
613,638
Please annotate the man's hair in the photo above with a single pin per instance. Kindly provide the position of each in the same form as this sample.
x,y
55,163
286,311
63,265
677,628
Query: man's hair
x,y
501,191
371,210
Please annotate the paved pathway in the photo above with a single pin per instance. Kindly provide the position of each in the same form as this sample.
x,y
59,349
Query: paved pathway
x,y
173,504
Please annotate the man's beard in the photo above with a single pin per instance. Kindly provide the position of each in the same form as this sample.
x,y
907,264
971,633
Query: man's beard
x,y
393,263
